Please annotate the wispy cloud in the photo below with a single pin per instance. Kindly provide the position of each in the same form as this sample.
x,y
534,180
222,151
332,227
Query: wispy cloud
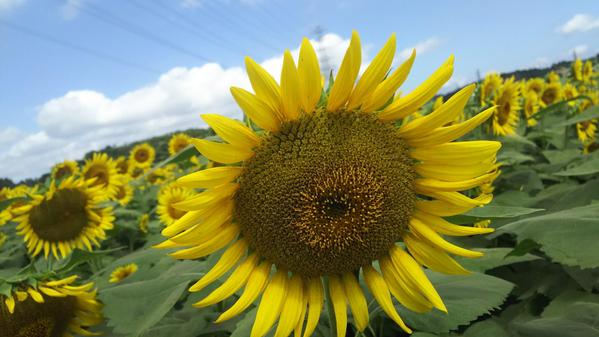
x,y
71,8
579,23
6,5
421,47
579,50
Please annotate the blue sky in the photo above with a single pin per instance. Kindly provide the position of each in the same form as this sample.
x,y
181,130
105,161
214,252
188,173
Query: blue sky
x,y
51,95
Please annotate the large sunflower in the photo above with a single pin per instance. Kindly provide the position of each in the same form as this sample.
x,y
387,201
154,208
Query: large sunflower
x,y
170,195
507,99
68,216
177,143
50,309
65,169
329,188
142,155
101,169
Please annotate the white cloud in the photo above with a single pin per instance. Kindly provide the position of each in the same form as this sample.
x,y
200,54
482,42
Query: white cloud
x,y
86,120
6,5
70,8
421,47
541,62
579,50
579,23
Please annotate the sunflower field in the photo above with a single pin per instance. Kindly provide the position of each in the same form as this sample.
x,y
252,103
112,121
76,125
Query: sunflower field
x,y
337,207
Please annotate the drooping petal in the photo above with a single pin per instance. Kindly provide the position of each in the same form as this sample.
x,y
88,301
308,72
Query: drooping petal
x,y
431,236
434,258
444,208
232,131
465,153
237,279
348,72
386,89
292,307
454,172
315,302
357,301
259,112
271,304
207,198
427,184
373,75
309,76
227,261
339,299
405,106
220,240
401,290
442,226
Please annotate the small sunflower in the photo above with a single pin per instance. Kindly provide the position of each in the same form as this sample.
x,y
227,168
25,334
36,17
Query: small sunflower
x,y
136,172
143,222
535,85
506,117
65,169
569,92
531,107
50,309
122,272
177,143
142,155
553,77
577,69
168,196
21,191
587,131
491,83
122,165
587,72
375,184
68,216
103,169
551,94
5,194
158,176
124,192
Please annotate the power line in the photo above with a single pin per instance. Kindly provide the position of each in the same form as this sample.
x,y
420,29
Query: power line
x,y
67,44
109,18
185,26
269,13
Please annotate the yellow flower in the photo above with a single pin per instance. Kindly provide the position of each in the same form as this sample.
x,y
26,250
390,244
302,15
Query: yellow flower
x,y
136,172
491,83
375,184
587,131
506,116
12,210
122,165
552,93
102,169
482,224
122,272
124,192
535,85
68,216
52,308
65,169
142,155
577,69
177,143
531,107
587,72
569,92
144,220
553,77
168,196
158,176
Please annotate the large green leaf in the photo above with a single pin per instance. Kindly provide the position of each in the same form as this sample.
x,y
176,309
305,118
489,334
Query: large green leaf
x,y
487,328
498,211
586,167
493,258
466,298
567,236
577,319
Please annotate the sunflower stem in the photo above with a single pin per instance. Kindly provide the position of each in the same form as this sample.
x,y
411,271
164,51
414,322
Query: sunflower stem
x,y
330,309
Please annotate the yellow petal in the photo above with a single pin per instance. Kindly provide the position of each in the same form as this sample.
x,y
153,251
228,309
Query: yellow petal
x,y
348,72
207,198
432,237
357,301
35,295
188,220
432,257
10,304
292,307
380,291
297,332
444,208
22,295
232,131
412,273
211,177
454,172
446,113
338,298
465,153
229,259
451,133
411,102
373,75
455,198
259,112
290,88
400,289
237,279
265,87
427,184
386,89
309,75
270,304
61,282
254,287
204,231
220,240
442,226
50,292
315,302
221,152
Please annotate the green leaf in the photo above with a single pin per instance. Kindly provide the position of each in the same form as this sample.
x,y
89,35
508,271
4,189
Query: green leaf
x,y
244,326
566,236
587,167
512,157
562,156
490,328
498,211
575,320
467,297
493,258
588,114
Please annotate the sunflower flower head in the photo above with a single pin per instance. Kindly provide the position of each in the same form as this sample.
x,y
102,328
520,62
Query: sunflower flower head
x,y
577,69
124,192
328,188
535,85
65,169
491,83
142,155
553,77
122,272
69,215
552,93
169,196
122,165
50,308
177,143
507,100
531,107
587,72
101,171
